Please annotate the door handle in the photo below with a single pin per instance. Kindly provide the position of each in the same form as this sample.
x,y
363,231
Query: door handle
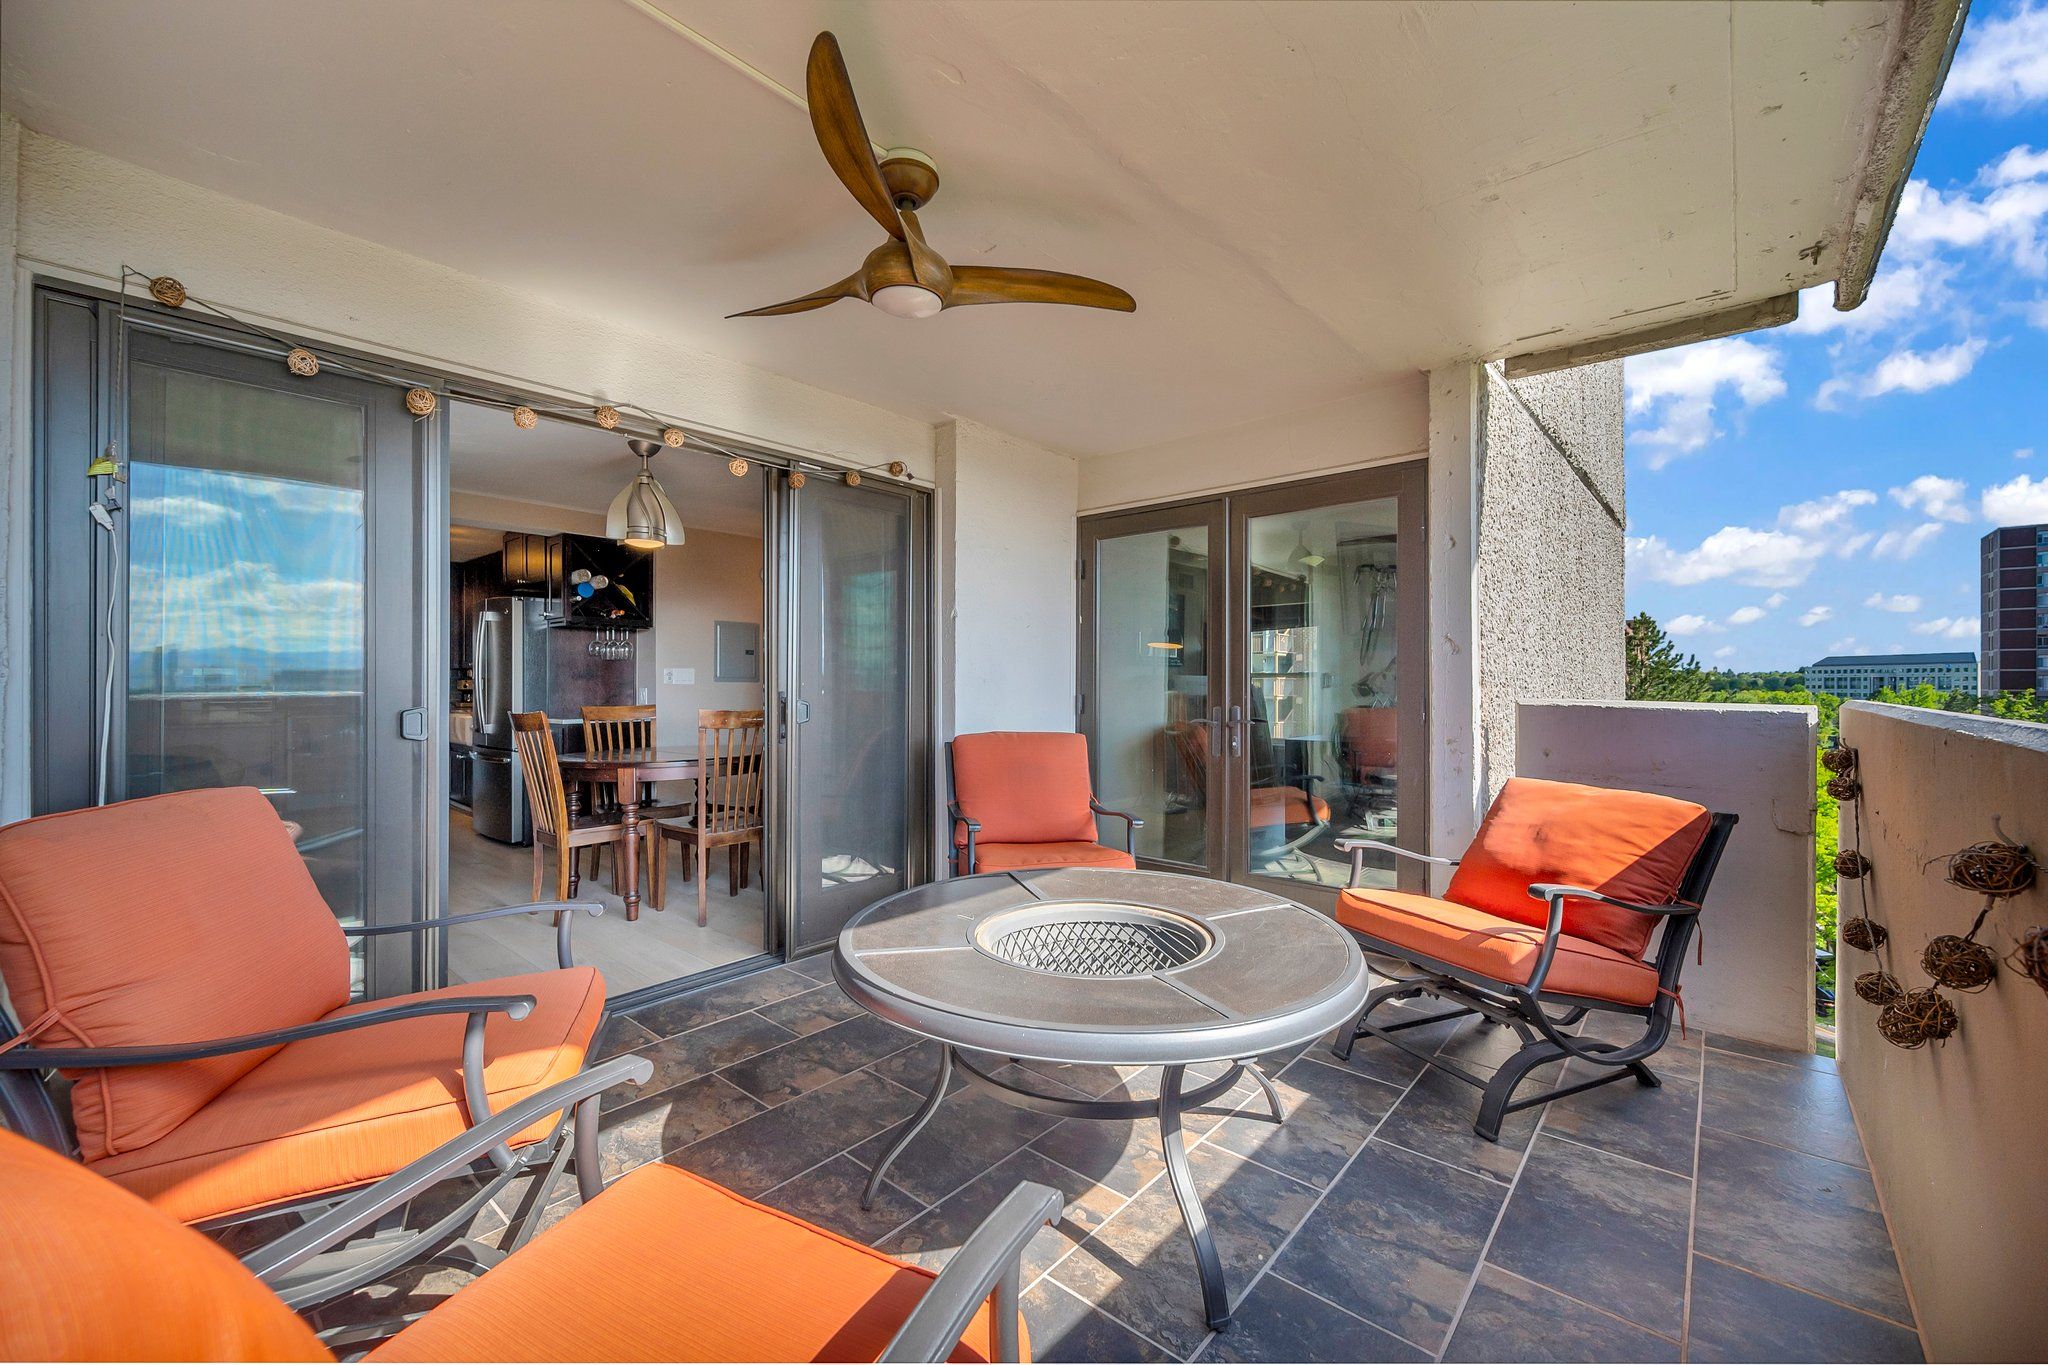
x,y
802,711
412,723
1237,732
1215,732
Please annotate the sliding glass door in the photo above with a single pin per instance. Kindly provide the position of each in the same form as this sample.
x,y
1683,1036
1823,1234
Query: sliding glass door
x,y
1252,677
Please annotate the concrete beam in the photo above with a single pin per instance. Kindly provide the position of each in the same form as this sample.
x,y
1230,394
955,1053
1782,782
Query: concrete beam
x,y
1746,317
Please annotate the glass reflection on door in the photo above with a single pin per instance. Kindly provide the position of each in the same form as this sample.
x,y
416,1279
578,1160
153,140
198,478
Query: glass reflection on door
x,y
1154,733
245,645
1322,742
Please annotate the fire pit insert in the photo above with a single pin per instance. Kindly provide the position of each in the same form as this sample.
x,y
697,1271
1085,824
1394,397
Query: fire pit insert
x,y
1094,939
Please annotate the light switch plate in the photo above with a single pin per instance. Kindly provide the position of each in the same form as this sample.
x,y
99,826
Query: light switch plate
x,y
679,677
644,699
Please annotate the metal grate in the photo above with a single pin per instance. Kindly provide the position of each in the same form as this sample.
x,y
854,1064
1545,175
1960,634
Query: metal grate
x,y
1125,946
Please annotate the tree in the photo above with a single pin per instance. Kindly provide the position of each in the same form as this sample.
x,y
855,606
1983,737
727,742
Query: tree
x,y
1656,670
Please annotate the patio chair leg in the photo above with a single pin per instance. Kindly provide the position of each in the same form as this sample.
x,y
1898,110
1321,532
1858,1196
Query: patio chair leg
x,y
1266,1084
911,1127
1493,1105
1645,1077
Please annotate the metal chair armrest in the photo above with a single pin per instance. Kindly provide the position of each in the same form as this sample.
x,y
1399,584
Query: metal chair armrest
x,y
364,1207
1357,849
1132,823
989,1261
478,1007
1557,891
961,817
564,910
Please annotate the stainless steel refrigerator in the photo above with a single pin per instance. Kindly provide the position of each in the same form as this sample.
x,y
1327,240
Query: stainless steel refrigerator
x,y
523,664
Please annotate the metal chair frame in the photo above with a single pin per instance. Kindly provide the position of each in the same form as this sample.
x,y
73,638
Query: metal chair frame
x,y
960,819
1521,1006
333,1268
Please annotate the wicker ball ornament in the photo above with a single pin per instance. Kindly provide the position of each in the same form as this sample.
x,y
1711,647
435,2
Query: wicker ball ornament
x,y
608,418
1851,864
1844,787
853,478
302,362
167,291
897,469
526,419
421,402
1879,988
796,480
736,467
1838,759
1959,963
1917,1018
2029,956
673,436
1866,934
1992,869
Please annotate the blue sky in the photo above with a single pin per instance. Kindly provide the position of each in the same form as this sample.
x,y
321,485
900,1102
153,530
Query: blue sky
x,y
1821,487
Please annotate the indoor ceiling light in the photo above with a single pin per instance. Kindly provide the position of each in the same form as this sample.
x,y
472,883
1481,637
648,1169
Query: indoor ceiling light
x,y
1302,556
641,516
907,301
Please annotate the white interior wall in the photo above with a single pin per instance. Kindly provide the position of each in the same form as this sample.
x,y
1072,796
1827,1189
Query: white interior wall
x,y
710,577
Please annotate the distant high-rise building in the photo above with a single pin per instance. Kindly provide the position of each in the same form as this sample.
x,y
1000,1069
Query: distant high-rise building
x,y
2014,562
1858,677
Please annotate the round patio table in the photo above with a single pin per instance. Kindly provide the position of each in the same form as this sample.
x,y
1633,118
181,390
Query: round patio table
x,y
1109,967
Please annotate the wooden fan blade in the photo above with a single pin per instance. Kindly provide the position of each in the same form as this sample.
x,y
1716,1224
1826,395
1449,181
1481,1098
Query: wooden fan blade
x,y
843,137
927,265
848,288
999,284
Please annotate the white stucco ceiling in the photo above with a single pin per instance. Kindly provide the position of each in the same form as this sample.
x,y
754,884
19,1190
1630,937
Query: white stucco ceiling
x,y
1304,198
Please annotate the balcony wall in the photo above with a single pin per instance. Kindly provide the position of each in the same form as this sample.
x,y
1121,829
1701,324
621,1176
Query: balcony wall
x,y
1955,1130
1756,981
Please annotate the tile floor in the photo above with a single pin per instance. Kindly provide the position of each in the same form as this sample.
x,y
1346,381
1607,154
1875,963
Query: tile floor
x,y
1726,1216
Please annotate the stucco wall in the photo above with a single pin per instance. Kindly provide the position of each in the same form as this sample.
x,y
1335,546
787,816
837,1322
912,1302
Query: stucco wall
x,y
1955,1130
1756,762
1549,568
1006,528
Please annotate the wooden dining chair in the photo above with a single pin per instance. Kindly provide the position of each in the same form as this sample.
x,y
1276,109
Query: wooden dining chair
x,y
608,729
728,810
547,803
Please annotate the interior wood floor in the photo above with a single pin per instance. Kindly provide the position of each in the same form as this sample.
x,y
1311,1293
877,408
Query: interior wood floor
x,y
661,946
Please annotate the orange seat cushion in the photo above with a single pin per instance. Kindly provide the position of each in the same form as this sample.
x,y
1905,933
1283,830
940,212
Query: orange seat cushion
x,y
1004,857
1287,806
90,1272
330,1113
1632,845
167,919
666,1266
1024,787
1400,923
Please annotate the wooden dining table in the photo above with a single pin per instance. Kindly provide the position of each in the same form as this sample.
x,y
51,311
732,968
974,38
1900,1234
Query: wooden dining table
x,y
626,769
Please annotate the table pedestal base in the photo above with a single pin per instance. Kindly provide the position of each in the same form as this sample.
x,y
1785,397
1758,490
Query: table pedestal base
x,y
1174,1099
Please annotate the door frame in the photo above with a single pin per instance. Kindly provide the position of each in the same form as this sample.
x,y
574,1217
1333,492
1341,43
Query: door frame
x,y
1228,515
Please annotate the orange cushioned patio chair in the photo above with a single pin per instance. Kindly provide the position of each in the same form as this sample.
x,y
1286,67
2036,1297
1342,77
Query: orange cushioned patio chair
x,y
1023,799
173,960
661,1266
1552,907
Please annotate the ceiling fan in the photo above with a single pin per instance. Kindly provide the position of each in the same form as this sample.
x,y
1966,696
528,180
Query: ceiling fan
x,y
903,276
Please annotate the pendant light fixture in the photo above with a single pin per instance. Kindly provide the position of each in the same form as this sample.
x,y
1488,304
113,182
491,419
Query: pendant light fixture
x,y
1303,558
641,516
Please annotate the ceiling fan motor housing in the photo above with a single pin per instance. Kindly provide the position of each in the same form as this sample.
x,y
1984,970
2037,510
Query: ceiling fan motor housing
x,y
912,177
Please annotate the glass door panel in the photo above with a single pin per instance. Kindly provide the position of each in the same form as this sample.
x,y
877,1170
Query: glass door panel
x,y
1151,631
854,715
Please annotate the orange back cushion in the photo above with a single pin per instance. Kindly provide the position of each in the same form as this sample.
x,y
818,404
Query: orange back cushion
x,y
1634,845
169,919
1025,787
93,1273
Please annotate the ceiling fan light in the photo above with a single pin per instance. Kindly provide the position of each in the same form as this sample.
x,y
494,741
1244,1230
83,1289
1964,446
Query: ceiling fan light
x,y
907,300
641,517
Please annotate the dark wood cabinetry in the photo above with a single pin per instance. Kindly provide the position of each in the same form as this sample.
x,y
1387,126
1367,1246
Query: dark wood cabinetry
x,y
594,582
469,583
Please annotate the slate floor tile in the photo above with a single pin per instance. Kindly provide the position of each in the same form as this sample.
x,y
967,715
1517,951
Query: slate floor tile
x,y
1737,1317
790,1069
1396,1240
1283,1322
722,1001
760,1153
704,1049
972,1131
1508,1318
1791,1106
1811,1061
1436,1115
649,1129
1065,1328
1798,1219
1680,1055
812,1011
1123,1154
1329,1113
817,966
1381,1060
932,1238
1654,1125
1602,1229
1140,1269
621,1035
915,1068
829,1195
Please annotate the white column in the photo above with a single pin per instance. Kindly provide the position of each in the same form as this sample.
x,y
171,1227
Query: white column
x,y
1457,425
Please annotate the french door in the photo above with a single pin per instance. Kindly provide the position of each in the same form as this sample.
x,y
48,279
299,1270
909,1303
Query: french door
x,y
853,712
244,607
1252,677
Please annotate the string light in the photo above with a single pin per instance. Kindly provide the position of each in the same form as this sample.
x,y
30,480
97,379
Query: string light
x,y
672,436
302,362
420,402
608,418
525,418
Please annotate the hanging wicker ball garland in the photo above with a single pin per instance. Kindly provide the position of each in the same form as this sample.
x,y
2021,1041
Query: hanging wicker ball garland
x,y
1837,759
1879,988
1864,933
421,402
1851,864
526,419
166,291
2029,956
302,362
607,417
1917,1018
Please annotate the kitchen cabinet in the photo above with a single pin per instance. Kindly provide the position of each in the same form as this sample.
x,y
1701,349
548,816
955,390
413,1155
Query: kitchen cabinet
x,y
597,583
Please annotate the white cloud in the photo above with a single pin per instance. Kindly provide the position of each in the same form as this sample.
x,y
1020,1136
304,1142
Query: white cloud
x,y
1949,627
2021,163
2018,503
2003,62
1813,616
1846,645
2024,453
2037,313
1830,513
1931,495
1904,543
1908,370
1901,602
1742,616
1774,601
1900,293
1674,392
1725,652
2006,220
1777,557
1691,624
